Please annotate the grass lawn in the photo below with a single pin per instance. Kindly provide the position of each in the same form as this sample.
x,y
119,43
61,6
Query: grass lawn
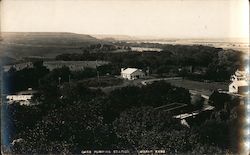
x,y
205,88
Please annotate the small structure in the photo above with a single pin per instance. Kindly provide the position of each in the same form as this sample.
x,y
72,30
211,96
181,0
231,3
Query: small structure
x,y
132,73
239,84
22,97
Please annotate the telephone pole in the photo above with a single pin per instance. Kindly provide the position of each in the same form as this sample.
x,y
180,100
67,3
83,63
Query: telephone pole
x,y
59,80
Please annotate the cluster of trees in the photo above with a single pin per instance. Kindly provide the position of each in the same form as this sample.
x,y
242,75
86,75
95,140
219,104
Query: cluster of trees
x,y
21,80
224,65
228,113
103,81
38,76
219,64
71,118
154,95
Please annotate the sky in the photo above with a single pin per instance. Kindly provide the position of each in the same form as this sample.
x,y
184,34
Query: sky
x,y
158,18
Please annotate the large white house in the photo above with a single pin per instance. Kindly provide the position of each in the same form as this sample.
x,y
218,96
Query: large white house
x,y
132,73
239,84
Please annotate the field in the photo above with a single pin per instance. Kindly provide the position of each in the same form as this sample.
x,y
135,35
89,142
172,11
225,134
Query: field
x,y
202,87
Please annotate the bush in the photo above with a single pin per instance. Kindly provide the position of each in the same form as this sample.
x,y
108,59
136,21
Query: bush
x,y
197,101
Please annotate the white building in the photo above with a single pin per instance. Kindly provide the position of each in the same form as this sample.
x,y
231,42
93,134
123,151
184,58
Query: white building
x,y
132,73
23,97
239,84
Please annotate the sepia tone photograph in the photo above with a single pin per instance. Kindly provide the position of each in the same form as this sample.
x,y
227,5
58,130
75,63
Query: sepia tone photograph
x,y
146,77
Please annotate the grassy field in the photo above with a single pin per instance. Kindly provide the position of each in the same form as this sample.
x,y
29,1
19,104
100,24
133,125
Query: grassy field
x,y
199,87
203,87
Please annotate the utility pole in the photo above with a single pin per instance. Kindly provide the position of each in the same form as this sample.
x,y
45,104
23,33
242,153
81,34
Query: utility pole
x,y
97,72
59,80
148,71
98,78
69,79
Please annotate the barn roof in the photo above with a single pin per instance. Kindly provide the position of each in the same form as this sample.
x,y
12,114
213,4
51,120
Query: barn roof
x,y
129,70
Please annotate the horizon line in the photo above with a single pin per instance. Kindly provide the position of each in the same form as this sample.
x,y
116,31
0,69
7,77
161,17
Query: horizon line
x,y
126,35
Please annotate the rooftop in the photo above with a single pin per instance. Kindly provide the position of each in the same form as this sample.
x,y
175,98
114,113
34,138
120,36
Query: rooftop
x,y
240,73
241,83
129,70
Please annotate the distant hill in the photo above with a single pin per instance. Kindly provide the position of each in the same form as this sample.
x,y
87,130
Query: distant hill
x,y
47,44
116,37
46,38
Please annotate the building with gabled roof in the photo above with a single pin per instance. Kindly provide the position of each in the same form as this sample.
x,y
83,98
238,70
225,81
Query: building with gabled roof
x,y
239,84
132,73
22,97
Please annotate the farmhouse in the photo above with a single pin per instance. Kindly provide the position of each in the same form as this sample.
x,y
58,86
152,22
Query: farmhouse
x,y
239,84
132,73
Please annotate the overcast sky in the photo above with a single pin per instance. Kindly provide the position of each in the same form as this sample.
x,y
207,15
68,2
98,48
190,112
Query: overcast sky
x,y
162,18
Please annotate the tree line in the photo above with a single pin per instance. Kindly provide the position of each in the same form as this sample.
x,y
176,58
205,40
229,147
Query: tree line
x,y
218,63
